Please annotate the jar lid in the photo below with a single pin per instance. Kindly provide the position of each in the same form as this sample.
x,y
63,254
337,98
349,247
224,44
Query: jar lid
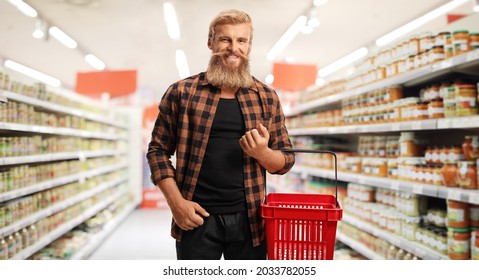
x,y
466,86
460,31
444,33
458,229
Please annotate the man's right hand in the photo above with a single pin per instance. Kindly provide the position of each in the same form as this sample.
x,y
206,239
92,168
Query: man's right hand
x,y
187,214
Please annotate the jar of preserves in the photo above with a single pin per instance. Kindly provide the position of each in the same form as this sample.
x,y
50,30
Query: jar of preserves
x,y
458,243
470,147
441,38
450,102
410,146
461,41
474,215
457,214
420,111
467,174
449,174
449,47
466,100
435,108
474,40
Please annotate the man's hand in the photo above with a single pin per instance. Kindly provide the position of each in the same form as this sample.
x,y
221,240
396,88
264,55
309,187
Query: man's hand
x,y
255,143
187,214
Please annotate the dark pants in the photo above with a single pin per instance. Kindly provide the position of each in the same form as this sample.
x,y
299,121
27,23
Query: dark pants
x,y
222,234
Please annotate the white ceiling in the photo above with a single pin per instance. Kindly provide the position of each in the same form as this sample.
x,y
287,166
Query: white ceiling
x,y
129,34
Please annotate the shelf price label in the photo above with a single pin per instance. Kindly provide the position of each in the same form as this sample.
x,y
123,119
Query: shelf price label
x,y
454,195
395,185
473,55
417,189
416,125
3,97
474,198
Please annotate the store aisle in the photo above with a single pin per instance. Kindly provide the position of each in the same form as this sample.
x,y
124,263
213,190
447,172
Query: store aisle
x,y
145,234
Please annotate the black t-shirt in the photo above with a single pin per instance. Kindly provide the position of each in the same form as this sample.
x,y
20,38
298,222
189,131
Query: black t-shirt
x,y
220,187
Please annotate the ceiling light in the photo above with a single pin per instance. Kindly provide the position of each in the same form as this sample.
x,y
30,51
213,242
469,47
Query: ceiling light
x,y
95,62
24,8
319,2
182,64
40,29
342,62
269,79
62,37
320,82
32,73
287,37
475,8
171,21
403,30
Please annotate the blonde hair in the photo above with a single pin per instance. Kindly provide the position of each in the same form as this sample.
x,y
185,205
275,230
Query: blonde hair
x,y
230,17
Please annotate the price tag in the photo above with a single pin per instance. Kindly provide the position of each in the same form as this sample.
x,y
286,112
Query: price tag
x,y
396,126
395,185
417,125
81,180
417,189
81,156
454,195
362,180
473,55
474,198
3,97
443,123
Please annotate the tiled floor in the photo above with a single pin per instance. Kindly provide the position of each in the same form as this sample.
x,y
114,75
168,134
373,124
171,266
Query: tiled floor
x,y
144,235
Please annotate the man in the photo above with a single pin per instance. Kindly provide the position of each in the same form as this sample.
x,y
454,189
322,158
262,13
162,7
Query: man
x,y
226,128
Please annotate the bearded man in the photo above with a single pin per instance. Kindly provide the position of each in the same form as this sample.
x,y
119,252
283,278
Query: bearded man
x,y
226,129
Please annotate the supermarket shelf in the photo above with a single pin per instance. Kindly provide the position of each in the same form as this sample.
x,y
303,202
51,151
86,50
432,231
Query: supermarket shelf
x,y
58,156
60,181
66,227
470,196
100,237
58,131
411,78
417,125
410,246
5,231
358,247
60,108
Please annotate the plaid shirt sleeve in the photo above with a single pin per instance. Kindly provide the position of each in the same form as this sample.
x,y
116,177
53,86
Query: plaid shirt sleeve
x,y
163,141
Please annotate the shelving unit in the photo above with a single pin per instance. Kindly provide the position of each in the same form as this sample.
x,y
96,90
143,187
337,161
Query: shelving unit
x,y
118,125
466,64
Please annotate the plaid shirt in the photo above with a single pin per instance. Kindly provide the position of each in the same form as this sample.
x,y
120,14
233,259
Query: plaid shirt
x,y
183,126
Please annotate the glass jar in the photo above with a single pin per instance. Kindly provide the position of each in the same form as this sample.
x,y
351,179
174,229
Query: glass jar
x,y
420,111
470,147
474,216
410,146
435,108
466,100
474,40
467,174
458,243
457,214
461,41
450,102
449,174
449,47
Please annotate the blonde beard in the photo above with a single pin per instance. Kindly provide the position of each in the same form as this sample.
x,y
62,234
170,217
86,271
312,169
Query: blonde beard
x,y
220,75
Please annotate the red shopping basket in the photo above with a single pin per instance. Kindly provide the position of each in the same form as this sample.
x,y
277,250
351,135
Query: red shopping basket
x,y
301,226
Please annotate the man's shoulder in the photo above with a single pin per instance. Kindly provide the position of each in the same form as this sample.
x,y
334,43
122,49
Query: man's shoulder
x,y
188,81
263,88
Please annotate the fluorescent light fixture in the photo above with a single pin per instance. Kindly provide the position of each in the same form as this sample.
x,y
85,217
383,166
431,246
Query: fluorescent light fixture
x,y
403,30
319,2
32,73
287,37
62,37
269,79
320,82
171,21
182,64
24,8
40,28
342,62
475,7
95,62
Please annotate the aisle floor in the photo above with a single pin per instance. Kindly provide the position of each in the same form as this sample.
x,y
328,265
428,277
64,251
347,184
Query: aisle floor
x,y
143,235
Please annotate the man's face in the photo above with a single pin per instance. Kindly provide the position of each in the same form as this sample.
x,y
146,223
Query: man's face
x,y
233,42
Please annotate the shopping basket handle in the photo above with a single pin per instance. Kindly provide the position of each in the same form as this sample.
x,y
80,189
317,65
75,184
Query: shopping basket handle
x,y
311,151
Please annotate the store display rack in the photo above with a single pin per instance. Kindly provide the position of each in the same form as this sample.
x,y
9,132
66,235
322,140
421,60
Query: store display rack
x,y
117,125
467,64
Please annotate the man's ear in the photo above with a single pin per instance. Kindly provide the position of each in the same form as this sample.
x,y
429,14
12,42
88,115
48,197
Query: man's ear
x,y
210,44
